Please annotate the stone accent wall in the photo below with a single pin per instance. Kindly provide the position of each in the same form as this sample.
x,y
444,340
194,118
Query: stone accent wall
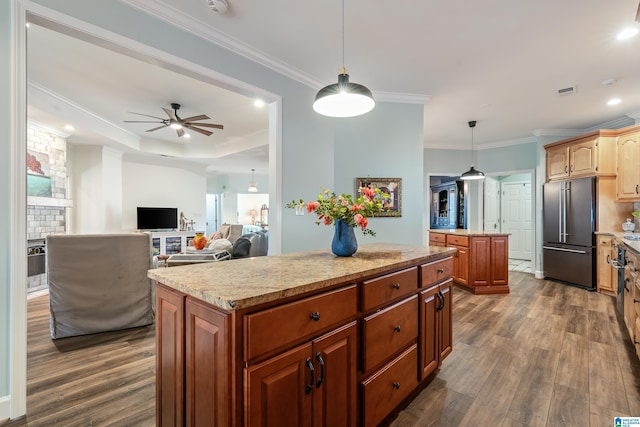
x,y
46,215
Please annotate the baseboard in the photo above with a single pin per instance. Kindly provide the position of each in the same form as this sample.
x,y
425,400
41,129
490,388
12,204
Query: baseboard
x,y
539,275
5,407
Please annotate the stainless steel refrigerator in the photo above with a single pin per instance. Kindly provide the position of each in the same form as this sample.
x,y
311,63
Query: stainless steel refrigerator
x,y
569,252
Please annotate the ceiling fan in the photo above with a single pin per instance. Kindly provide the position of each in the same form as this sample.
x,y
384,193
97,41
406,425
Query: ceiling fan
x,y
176,122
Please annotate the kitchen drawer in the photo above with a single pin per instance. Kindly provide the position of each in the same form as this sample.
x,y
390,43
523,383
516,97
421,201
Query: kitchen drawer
x,y
603,240
385,389
436,271
437,237
275,328
384,289
388,331
457,240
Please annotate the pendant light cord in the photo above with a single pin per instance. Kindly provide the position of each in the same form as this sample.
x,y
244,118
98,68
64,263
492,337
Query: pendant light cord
x,y
343,69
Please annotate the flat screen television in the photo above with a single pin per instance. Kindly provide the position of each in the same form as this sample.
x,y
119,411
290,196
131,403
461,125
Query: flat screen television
x,y
157,218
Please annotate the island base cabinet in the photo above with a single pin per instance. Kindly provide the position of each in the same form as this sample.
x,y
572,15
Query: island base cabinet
x,y
436,334
169,357
207,361
389,386
318,380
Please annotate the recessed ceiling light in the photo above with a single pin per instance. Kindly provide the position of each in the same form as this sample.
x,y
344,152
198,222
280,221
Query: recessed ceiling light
x,y
614,101
69,127
627,33
608,82
186,135
258,103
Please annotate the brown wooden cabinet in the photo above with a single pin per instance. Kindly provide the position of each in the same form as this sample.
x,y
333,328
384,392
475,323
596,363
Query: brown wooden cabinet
x,y
607,281
585,155
436,335
628,180
346,356
631,278
317,378
481,263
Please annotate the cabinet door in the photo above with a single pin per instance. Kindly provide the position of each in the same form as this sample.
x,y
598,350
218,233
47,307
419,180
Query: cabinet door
x,y
335,360
445,319
480,262
557,162
604,270
429,352
500,260
582,158
628,178
208,366
169,357
278,392
461,265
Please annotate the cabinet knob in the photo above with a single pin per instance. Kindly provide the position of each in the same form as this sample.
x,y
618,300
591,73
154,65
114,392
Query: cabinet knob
x,y
396,328
396,385
396,286
315,316
440,270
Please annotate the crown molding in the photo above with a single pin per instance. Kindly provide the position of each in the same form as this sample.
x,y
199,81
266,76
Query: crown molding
x,y
178,18
635,116
618,123
47,129
557,132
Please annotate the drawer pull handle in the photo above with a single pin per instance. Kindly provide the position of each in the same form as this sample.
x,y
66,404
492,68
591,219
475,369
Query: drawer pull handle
x,y
440,270
396,385
396,328
321,378
396,286
315,316
309,386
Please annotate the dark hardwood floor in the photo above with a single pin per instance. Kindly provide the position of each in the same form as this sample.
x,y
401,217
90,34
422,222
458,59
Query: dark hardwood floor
x,y
545,355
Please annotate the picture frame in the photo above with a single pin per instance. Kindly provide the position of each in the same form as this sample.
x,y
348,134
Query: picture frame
x,y
391,186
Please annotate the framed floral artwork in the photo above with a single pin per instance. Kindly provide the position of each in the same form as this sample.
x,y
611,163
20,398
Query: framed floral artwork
x,y
391,186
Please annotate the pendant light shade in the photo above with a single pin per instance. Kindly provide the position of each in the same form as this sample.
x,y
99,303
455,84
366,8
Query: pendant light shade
x,y
252,185
343,99
472,173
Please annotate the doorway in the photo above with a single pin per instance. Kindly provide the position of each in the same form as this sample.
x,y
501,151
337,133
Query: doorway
x,y
508,208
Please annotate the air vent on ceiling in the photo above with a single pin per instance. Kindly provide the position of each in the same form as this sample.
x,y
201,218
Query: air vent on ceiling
x,y
567,90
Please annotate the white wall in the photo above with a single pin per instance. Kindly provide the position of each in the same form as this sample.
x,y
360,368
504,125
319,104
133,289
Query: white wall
x,y
163,186
249,201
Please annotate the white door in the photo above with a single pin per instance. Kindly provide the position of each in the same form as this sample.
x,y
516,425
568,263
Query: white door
x,y
213,210
491,205
517,218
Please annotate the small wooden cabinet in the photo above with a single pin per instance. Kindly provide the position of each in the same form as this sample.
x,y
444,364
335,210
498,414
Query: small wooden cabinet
x,y
631,279
435,326
628,180
607,282
585,155
481,263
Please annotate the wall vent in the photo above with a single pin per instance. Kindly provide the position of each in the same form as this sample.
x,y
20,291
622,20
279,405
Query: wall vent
x,y
567,90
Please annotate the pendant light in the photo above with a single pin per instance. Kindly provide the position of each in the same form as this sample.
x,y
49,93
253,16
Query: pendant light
x,y
343,99
252,184
472,173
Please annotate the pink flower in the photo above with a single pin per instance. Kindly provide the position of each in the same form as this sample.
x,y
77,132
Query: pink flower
x,y
369,192
327,220
361,221
311,206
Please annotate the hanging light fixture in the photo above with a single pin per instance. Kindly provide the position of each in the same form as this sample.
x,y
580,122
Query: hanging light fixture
x,y
343,99
472,173
252,185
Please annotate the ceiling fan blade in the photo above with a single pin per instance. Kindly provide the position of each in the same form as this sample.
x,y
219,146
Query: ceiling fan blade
x,y
195,129
143,121
170,113
638,14
180,132
208,125
196,118
146,115
159,127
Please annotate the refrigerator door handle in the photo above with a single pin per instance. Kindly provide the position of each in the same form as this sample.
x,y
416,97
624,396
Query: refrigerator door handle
x,y
560,197
564,250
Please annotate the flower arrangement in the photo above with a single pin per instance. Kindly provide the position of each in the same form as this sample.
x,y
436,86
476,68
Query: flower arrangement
x,y
330,207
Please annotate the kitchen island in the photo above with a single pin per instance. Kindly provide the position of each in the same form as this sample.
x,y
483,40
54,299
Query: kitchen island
x,y
301,339
481,263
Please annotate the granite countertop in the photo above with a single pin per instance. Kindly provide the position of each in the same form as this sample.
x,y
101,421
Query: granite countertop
x,y
632,244
470,233
241,283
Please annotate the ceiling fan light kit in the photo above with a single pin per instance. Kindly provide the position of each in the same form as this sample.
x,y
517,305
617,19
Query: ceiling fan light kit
x,y
472,173
343,99
179,124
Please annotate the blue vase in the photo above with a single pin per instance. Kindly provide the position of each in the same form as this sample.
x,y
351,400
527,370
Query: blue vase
x,y
344,240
